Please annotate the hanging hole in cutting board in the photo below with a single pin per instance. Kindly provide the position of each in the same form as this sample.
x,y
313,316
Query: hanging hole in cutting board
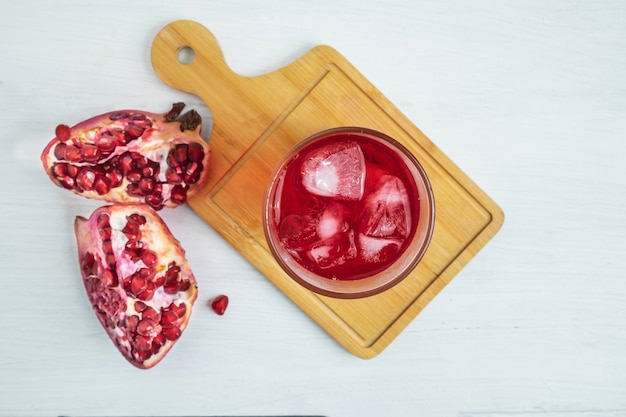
x,y
185,55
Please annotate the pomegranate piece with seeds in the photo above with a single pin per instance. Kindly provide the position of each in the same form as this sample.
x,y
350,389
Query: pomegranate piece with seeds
x,y
137,279
131,156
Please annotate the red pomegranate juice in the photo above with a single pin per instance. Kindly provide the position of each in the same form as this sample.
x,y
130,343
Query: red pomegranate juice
x,y
345,206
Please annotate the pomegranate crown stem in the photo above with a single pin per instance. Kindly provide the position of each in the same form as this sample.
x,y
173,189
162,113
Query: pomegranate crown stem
x,y
188,121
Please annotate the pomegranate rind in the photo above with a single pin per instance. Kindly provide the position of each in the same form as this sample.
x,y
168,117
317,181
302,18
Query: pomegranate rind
x,y
158,135
115,304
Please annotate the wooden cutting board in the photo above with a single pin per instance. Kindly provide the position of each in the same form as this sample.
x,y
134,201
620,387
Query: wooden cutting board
x,y
256,120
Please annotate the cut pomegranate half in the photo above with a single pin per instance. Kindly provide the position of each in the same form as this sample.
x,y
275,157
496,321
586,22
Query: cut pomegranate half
x,y
131,156
137,279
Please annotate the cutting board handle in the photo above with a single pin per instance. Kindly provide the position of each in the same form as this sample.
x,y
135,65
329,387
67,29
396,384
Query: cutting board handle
x,y
208,61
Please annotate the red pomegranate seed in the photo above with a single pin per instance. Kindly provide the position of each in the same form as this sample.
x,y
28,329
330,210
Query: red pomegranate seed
x,y
171,287
89,261
171,333
168,318
178,194
77,142
159,281
149,170
142,344
90,153
171,159
72,170
172,272
138,117
68,183
119,115
180,153
131,322
132,131
125,163
86,178
146,185
155,200
59,151
140,306
109,278
149,258
119,134
137,218
131,230
115,177
107,142
62,132
143,355
219,304
137,284
148,293
192,168
146,327
150,313
147,273
179,310
140,160
133,190
158,188
102,185
134,246
157,342
134,176
195,152
172,176
72,153
59,170
184,285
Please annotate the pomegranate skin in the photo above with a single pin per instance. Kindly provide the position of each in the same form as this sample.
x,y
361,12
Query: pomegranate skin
x,y
137,280
131,156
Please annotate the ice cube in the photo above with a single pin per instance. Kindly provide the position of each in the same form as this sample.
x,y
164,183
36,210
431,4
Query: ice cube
x,y
376,249
387,211
298,232
335,251
332,221
335,170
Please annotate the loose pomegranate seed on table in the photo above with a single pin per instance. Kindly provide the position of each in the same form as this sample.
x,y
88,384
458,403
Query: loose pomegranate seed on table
x,y
219,304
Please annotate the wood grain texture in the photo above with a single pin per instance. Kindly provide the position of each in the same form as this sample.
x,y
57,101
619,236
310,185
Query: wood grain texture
x,y
256,120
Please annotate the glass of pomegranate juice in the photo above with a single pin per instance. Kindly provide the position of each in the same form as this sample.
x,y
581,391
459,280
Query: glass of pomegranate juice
x,y
349,212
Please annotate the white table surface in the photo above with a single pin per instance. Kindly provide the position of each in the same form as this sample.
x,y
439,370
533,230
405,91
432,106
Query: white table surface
x,y
527,97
